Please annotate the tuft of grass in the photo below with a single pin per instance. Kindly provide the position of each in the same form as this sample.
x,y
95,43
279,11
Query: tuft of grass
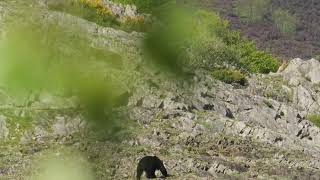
x,y
268,103
275,87
315,118
229,76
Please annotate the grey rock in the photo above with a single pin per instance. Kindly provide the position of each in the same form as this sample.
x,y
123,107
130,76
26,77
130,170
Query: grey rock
x,y
65,126
300,70
130,11
314,75
185,124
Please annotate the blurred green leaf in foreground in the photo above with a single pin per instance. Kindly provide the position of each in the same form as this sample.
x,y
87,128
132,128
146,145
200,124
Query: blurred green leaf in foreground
x,y
62,167
39,55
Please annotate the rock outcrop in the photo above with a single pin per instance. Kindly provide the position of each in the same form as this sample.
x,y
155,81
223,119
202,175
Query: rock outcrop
x,y
260,123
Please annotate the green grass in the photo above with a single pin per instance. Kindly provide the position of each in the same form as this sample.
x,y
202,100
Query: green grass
x,y
315,118
276,88
268,103
229,76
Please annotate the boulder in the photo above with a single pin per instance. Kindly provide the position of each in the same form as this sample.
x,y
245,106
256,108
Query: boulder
x,y
299,70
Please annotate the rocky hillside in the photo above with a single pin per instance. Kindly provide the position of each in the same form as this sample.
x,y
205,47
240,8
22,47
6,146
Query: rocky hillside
x,y
218,131
201,129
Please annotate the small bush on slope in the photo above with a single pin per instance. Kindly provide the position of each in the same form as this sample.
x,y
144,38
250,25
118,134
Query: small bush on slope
x,y
229,76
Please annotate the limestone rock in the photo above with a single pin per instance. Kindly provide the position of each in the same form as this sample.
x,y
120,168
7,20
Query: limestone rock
x,y
64,126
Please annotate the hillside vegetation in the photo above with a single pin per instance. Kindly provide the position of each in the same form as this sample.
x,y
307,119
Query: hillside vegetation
x,y
288,28
209,45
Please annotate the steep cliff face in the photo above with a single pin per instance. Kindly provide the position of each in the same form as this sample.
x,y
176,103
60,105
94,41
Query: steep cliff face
x,y
201,129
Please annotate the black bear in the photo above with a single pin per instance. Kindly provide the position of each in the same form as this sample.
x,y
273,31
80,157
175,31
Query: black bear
x,y
149,164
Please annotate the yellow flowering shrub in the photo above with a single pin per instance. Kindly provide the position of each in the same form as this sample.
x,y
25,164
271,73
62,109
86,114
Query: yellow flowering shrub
x,y
137,23
96,11
98,5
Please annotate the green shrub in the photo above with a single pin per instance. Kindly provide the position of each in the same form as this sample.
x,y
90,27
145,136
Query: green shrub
x,y
268,103
229,76
205,47
209,55
259,62
250,59
315,118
